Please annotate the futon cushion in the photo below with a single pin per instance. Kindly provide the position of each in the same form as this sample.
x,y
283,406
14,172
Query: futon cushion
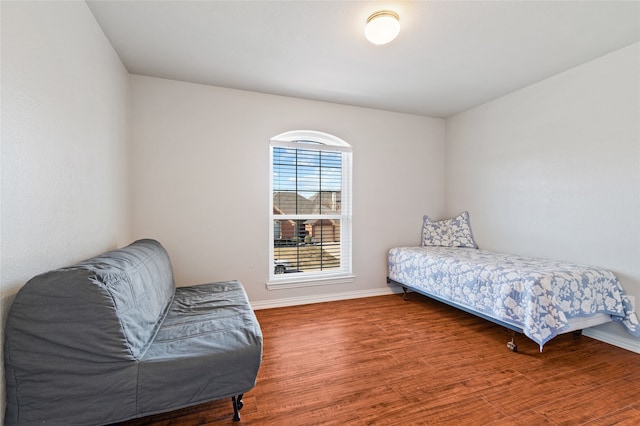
x,y
139,280
65,353
74,335
208,347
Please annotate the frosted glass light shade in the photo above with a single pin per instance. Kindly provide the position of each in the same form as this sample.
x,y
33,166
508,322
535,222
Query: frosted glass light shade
x,y
382,27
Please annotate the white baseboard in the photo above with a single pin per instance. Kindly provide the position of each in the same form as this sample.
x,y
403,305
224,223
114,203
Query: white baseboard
x,y
630,344
318,298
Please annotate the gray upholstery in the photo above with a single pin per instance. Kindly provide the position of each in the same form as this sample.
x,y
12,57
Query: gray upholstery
x,y
111,339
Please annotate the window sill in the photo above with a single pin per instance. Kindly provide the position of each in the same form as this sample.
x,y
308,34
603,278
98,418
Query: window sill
x,y
299,282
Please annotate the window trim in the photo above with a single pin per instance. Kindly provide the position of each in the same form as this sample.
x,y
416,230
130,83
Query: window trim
x,y
345,275
309,135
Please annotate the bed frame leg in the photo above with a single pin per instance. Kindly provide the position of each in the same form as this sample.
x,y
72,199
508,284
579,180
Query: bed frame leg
x,y
512,344
237,406
405,292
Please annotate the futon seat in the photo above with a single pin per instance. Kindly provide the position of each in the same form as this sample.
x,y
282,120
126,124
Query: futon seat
x,y
208,332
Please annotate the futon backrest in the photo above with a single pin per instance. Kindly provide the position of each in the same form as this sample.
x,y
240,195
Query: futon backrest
x,y
85,326
139,281
111,305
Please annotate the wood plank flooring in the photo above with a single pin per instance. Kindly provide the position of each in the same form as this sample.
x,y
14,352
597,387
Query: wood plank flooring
x,y
386,361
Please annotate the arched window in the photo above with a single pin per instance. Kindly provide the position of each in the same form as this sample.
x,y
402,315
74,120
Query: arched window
x,y
310,211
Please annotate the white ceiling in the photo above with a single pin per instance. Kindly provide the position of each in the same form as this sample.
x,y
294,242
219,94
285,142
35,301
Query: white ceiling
x,y
450,55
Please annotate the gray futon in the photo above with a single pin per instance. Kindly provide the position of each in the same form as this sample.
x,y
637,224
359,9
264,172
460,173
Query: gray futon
x,y
112,338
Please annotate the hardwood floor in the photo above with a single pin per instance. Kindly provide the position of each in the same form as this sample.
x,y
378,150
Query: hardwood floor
x,y
384,361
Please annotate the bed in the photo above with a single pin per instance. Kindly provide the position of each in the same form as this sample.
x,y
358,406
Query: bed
x,y
540,298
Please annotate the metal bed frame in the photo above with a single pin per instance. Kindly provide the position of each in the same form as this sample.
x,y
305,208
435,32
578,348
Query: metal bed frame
x,y
512,328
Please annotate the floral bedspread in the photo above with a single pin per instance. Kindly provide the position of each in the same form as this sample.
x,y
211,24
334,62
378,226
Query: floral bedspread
x,y
538,295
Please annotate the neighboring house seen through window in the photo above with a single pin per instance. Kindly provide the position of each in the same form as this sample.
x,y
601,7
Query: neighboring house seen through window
x,y
310,210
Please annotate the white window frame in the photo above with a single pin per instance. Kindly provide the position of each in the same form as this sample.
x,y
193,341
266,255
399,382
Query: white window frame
x,y
293,139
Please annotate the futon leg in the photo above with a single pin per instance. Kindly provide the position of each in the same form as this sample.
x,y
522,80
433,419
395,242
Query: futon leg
x,y
237,406
405,292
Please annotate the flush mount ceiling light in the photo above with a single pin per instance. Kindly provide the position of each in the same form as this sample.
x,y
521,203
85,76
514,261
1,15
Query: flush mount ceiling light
x,y
382,27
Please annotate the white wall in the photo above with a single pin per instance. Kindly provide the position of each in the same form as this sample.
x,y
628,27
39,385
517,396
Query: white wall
x,y
201,180
65,130
553,170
